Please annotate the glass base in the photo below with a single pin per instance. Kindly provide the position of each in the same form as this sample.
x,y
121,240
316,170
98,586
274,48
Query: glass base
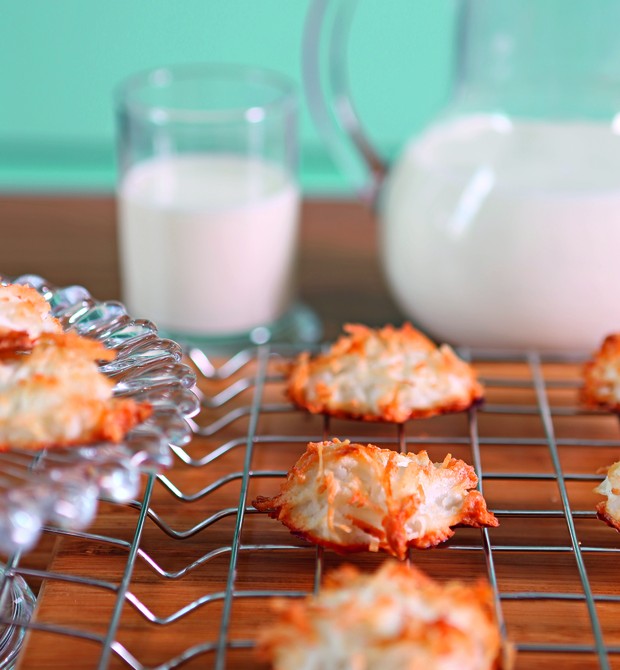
x,y
300,325
17,605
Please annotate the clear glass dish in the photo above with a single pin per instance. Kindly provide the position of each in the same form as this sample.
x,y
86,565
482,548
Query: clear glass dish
x,y
16,607
61,487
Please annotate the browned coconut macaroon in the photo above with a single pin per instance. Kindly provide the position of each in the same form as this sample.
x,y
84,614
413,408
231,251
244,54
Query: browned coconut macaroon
x,y
396,618
389,374
601,376
55,395
355,497
24,316
609,510
601,389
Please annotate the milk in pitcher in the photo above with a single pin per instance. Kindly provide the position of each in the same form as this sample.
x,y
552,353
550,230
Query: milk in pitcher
x,y
499,232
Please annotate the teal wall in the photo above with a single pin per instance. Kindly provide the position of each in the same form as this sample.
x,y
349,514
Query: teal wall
x,y
60,61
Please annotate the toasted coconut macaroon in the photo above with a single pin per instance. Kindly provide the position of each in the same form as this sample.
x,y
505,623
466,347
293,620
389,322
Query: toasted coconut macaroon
x,y
396,618
390,374
601,376
609,510
55,395
24,316
354,497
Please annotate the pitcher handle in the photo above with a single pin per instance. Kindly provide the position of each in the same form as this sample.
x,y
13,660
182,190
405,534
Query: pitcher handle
x,y
344,122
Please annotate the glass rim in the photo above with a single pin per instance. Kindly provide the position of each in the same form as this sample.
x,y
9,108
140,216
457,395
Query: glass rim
x,y
126,94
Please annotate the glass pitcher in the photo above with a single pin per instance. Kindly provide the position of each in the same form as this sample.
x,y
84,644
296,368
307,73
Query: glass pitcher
x,y
500,222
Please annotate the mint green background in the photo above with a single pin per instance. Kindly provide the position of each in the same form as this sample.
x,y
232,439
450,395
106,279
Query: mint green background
x,y
61,59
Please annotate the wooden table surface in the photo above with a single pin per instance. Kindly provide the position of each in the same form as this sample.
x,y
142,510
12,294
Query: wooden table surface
x,y
538,452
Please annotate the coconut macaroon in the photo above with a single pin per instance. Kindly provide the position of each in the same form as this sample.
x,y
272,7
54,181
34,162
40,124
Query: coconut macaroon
x,y
609,510
55,395
24,316
601,376
396,618
389,374
354,497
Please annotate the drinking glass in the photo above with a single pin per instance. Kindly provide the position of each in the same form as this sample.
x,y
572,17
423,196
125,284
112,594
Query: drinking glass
x,y
208,203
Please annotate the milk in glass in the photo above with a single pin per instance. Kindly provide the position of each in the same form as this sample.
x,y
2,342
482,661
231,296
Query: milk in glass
x,y
208,242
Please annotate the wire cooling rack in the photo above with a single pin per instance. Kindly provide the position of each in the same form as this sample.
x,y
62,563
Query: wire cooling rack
x,y
181,576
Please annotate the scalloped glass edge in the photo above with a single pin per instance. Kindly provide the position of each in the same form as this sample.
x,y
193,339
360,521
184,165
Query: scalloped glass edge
x,y
61,487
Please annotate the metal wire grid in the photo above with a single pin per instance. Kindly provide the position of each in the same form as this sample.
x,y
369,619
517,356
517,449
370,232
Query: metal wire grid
x,y
250,376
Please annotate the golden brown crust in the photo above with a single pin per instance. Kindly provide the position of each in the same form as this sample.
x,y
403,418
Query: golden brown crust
x,y
55,395
396,618
604,515
24,316
609,510
14,340
353,497
601,376
119,417
387,374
